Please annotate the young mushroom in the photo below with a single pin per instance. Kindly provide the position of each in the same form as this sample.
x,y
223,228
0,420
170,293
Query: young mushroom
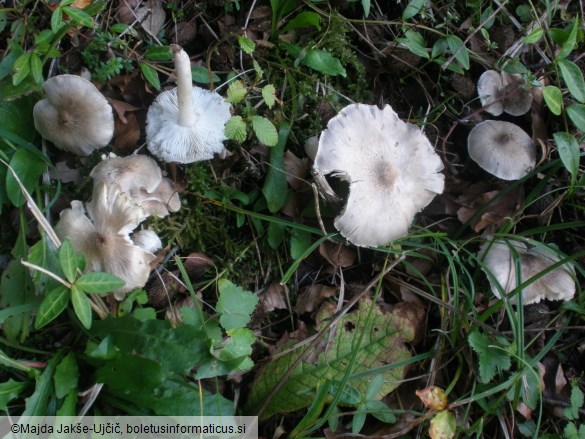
x,y
74,115
499,92
501,257
390,165
186,124
502,149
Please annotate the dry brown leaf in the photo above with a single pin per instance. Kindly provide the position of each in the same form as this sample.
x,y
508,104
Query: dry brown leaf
x,y
310,298
296,170
155,17
415,312
196,264
338,255
121,108
274,297
524,410
560,380
127,133
494,212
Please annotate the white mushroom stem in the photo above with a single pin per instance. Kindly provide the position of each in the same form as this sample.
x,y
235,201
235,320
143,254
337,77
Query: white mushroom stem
x,y
184,86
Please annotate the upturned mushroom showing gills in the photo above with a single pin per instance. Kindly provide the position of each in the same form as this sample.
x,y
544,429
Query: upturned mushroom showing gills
x,y
502,149
501,259
74,115
186,124
392,170
504,92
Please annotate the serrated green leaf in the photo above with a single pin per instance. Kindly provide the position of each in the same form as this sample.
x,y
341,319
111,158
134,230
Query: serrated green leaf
x,y
28,169
150,75
246,44
78,16
269,95
573,77
68,260
322,61
99,283
36,68
235,305
238,345
264,130
21,68
576,113
275,188
235,129
569,152
236,92
491,358
383,337
158,53
577,400
66,376
201,75
81,306
553,98
413,8
52,305
10,390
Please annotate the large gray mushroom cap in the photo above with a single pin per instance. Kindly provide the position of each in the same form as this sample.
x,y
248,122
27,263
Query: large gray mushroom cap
x,y
74,115
502,149
391,166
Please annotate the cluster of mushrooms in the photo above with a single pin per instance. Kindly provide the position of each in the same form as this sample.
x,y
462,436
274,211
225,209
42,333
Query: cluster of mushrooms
x,y
391,167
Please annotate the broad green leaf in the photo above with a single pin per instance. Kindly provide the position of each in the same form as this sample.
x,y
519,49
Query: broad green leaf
x,y
16,290
533,37
573,77
235,305
264,130
37,403
21,68
78,16
374,386
236,92
322,61
52,305
491,358
415,43
28,169
569,152
104,350
380,411
10,390
36,68
412,8
300,241
383,336
68,261
269,95
56,20
234,355
366,4
99,283
235,129
69,405
246,44
81,306
44,254
457,48
150,75
569,44
576,113
553,98
303,19
275,188
275,234
158,53
66,376
201,75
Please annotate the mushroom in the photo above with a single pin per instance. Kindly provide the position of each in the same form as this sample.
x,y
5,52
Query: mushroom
x,y
502,149
391,166
103,236
186,124
140,178
74,116
501,257
499,92
147,240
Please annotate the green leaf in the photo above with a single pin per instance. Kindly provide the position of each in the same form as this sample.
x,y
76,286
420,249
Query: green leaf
x,y
21,68
66,376
10,390
28,169
491,358
264,130
300,241
68,261
15,290
380,411
323,62
56,20
573,77
577,400
78,16
275,188
235,129
44,254
553,98
457,48
235,305
236,92
576,113
81,306
69,405
52,305
415,43
569,152
569,44
201,75
303,19
443,425
269,95
150,75
36,68
158,53
366,4
413,8
246,44
383,336
533,37
99,283
37,403
275,234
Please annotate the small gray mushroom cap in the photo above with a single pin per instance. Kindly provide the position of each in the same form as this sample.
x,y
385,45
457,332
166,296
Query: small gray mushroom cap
x,y
170,142
74,115
504,92
500,257
391,166
489,87
502,149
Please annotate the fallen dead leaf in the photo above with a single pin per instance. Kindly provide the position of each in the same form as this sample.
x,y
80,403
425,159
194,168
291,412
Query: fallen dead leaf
x,y
127,133
433,398
155,17
296,170
196,264
310,298
274,297
121,108
339,255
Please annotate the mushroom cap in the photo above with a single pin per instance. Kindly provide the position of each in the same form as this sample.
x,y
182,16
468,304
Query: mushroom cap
x,y
489,87
499,263
502,149
517,96
74,115
147,240
103,236
170,142
391,166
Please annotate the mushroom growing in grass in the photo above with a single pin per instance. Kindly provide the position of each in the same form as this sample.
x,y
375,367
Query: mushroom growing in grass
x,y
499,92
502,257
392,170
74,115
502,149
186,124
141,180
103,236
